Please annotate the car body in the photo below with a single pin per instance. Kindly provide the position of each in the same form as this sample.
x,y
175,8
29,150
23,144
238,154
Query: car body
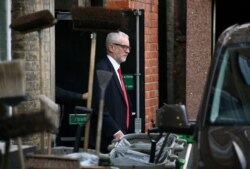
x,y
222,129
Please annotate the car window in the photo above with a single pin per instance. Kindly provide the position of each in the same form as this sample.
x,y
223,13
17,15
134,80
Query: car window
x,y
230,96
244,66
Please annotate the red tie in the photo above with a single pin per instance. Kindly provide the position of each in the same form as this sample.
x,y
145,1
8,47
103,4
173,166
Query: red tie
x,y
125,95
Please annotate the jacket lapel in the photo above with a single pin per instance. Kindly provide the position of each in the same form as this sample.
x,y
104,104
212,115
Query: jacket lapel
x,y
115,78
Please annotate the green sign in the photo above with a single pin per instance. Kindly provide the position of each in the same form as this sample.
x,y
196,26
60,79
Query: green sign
x,y
77,119
129,81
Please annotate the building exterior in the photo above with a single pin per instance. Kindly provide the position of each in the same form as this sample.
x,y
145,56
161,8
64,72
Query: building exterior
x,y
195,53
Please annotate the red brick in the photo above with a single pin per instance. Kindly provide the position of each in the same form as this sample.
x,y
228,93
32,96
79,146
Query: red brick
x,y
151,54
151,78
151,38
151,62
151,86
154,23
149,102
151,16
151,70
151,47
155,8
117,4
147,7
151,31
138,5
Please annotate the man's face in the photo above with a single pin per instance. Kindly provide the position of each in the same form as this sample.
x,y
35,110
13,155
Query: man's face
x,y
120,50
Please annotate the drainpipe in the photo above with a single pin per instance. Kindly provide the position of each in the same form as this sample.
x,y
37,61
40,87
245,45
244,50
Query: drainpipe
x,y
138,74
5,33
170,51
5,37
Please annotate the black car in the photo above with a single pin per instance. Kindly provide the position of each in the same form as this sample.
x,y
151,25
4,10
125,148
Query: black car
x,y
222,130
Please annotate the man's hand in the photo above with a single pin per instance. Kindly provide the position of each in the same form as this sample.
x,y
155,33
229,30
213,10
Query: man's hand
x,y
118,135
85,96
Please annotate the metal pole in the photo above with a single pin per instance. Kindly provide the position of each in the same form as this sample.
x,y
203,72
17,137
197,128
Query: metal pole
x,y
5,34
138,74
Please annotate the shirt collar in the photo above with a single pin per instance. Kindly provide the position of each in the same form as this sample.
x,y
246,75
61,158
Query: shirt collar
x,y
114,62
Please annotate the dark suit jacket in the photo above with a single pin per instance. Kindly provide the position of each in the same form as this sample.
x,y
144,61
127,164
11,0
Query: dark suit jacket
x,y
114,113
67,101
68,97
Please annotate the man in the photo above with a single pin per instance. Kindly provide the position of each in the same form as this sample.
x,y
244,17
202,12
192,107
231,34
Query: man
x,y
65,96
67,101
117,107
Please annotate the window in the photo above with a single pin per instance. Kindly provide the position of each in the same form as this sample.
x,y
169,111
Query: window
x,y
230,100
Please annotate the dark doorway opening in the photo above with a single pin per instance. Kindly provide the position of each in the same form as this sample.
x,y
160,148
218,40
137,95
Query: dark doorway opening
x,y
72,65
172,51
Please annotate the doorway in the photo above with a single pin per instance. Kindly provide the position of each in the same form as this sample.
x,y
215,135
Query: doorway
x,y
72,65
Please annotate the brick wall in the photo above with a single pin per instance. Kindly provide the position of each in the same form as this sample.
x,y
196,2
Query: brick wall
x,y
26,46
151,51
